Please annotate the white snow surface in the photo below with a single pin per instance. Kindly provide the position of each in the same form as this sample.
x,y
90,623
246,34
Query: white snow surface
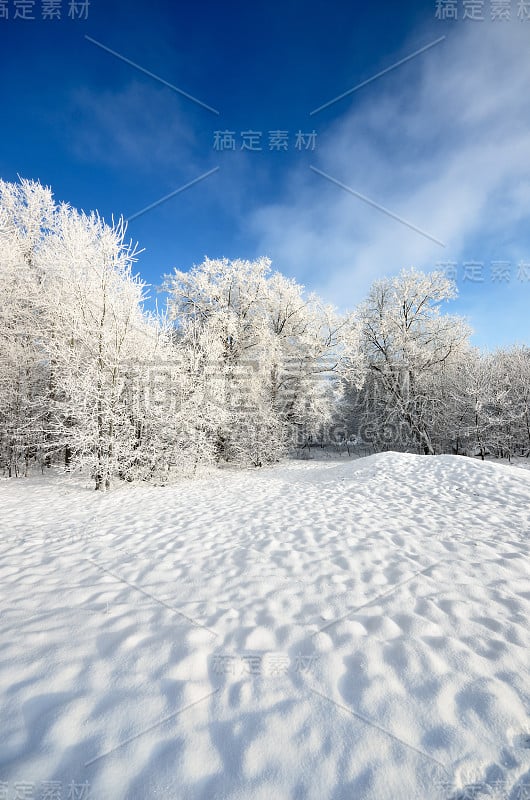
x,y
352,631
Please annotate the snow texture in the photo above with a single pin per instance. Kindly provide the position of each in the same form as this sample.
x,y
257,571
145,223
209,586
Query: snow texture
x,y
315,630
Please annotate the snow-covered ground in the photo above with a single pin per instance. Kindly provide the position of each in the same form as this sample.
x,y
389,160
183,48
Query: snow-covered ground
x,y
354,630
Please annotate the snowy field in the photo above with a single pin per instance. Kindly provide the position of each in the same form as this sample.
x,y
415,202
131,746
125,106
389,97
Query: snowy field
x,y
352,631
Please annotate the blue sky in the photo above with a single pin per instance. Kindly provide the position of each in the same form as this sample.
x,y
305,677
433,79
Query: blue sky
x,y
442,141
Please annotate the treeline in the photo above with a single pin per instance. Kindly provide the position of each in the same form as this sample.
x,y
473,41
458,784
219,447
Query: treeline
x,y
242,366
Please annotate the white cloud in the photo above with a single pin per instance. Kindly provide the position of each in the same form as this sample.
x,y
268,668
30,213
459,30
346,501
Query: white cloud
x,y
139,127
443,142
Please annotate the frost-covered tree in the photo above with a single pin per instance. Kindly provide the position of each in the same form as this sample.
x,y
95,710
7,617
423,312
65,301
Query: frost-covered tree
x,y
508,391
517,361
407,342
73,333
270,350
99,333
216,310
26,214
